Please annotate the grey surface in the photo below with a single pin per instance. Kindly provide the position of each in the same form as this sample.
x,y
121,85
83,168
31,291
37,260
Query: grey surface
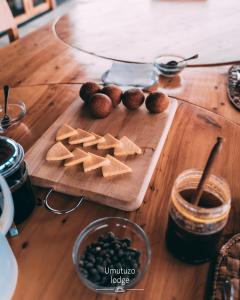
x,y
63,7
137,75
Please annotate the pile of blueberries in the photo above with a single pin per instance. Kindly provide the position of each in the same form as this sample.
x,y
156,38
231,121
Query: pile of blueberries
x,y
109,252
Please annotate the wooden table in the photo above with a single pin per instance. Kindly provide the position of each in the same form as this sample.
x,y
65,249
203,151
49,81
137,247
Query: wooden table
x,y
47,74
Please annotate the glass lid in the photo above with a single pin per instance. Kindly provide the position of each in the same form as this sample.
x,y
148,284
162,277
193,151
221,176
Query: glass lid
x,y
11,155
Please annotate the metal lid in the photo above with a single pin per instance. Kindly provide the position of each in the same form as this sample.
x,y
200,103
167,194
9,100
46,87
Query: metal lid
x,y
11,156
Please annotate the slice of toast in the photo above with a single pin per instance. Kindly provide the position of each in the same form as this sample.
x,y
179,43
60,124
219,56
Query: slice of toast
x,y
81,137
58,152
110,142
98,139
79,156
115,167
126,147
94,162
64,132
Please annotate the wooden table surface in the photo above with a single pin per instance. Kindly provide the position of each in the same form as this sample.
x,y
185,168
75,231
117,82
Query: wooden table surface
x,y
142,30
47,74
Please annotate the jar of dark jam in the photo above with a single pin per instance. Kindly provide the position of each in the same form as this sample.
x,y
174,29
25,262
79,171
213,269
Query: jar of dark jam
x,y
194,232
13,168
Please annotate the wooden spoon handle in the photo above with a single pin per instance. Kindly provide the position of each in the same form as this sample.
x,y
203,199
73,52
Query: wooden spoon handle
x,y
206,173
6,92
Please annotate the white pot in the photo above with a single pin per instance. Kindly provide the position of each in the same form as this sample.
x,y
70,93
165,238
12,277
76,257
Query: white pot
x,y
8,264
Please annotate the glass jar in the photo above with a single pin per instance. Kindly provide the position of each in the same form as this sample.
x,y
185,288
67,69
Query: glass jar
x,y
194,232
13,168
122,228
166,69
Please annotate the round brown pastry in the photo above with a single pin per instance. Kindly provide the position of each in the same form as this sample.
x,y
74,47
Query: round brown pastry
x,y
88,89
100,105
114,93
133,98
157,102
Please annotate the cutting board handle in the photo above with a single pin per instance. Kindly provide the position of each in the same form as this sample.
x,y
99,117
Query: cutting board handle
x,y
59,211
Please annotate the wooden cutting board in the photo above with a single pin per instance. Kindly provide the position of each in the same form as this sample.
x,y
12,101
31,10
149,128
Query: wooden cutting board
x,y
149,131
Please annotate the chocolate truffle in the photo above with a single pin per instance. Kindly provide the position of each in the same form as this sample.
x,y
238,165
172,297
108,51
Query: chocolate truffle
x,y
88,89
114,93
100,105
157,102
133,98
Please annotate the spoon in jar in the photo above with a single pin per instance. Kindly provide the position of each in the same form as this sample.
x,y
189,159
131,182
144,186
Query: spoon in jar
x,y
5,122
174,63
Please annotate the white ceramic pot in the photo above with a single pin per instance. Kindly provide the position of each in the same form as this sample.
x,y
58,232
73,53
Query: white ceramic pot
x,y
8,264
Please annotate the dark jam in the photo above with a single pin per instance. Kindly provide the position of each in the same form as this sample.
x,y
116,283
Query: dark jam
x,y
193,247
23,195
18,182
6,150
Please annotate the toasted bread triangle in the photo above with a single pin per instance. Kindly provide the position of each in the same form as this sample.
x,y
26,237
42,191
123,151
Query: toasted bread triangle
x,y
115,167
94,162
79,156
81,137
58,152
98,139
65,132
126,147
110,142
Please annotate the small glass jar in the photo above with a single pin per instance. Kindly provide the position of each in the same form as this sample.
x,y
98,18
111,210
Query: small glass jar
x,y
170,65
13,168
194,232
122,228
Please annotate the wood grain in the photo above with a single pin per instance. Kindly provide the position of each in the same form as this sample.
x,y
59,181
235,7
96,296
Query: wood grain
x,y
139,31
41,58
204,87
148,131
43,249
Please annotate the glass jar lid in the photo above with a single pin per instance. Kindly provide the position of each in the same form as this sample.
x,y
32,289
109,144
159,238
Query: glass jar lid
x,y
11,156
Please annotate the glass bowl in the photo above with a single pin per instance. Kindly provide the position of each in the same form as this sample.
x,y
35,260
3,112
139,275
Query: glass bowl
x,y
166,66
123,229
16,112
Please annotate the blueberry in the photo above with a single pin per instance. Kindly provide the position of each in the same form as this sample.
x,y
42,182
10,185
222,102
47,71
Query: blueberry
x,y
115,258
120,253
81,263
106,245
135,265
104,280
127,241
95,278
84,272
124,245
111,236
117,246
111,252
99,260
118,265
100,269
136,253
89,265
91,258
93,271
